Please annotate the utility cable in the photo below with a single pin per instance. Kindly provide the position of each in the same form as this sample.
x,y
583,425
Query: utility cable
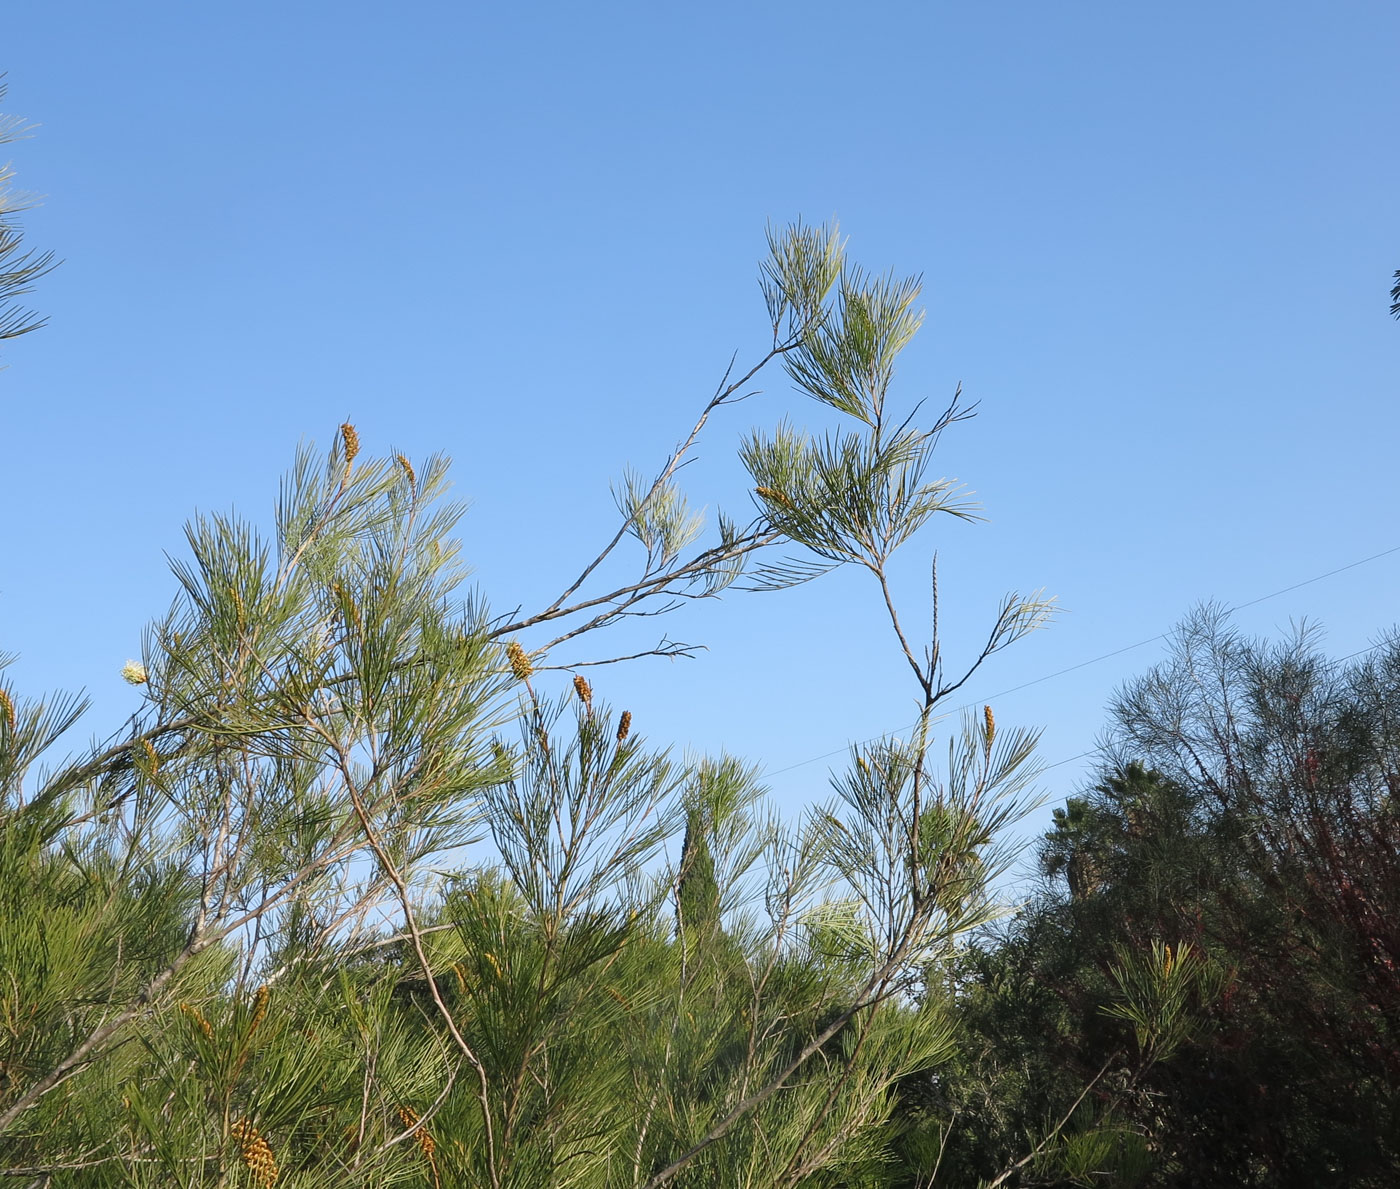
x,y
1105,656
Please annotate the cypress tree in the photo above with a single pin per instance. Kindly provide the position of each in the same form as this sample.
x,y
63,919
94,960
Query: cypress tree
x,y
697,891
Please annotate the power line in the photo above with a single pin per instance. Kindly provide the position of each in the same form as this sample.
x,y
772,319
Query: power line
x,y
1341,660
1061,763
1319,578
1106,656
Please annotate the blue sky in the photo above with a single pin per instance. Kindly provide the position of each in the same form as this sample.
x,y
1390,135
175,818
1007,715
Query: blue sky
x,y
1156,243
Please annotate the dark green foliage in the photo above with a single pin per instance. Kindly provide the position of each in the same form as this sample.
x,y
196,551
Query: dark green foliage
x,y
697,893
1250,828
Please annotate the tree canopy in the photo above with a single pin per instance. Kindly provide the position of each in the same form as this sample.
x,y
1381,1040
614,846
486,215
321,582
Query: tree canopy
x,y
1241,840
376,888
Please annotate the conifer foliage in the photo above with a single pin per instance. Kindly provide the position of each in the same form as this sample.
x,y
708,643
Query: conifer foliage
x,y
19,268
229,953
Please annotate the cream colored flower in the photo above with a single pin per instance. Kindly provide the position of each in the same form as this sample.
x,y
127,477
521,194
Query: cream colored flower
x,y
134,672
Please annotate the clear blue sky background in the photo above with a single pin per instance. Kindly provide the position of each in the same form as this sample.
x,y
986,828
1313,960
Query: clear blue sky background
x,y
1157,243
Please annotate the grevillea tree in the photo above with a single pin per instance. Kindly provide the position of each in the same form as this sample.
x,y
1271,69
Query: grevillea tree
x,y
230,957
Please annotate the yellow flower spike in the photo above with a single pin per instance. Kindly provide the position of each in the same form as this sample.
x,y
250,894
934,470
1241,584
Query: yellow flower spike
x,y
624,726
584,690
409,1118
134,673
9,709
257,1153
991,724
259,1009
407,470
774,496
519,661
197,1016
351,440
495,965
349,609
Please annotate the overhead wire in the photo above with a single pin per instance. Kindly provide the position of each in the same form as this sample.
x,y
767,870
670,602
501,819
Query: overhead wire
x,y
1096,660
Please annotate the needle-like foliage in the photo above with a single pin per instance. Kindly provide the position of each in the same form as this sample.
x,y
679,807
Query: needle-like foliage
x,y
19,269
375,890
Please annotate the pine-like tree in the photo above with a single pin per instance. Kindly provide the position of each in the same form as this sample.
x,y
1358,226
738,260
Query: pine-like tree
x,y
200,987
697,892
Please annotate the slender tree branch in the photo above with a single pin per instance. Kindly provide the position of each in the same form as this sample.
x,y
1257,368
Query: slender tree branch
x,y
1054,1132
411,920
722,394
